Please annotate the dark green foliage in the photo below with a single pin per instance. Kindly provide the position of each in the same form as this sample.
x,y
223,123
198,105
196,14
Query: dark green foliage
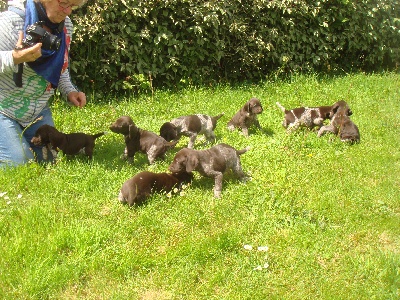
x,y
132,45
3,5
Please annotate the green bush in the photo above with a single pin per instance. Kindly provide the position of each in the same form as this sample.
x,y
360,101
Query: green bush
x,y
134,45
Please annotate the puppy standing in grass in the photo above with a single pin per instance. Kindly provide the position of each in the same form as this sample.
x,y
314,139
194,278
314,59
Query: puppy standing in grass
x,y
137,139
136,189
190,126
247,116
213,162
70,144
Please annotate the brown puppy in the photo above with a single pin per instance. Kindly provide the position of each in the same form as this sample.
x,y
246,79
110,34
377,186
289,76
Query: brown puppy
x,y
190,126
341,124
69,144
246,116
169,132
213,162
306,116
136,189
137,139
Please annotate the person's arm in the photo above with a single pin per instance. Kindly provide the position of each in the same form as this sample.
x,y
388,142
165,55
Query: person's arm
x,y
9,26
12,52
69,91
65,85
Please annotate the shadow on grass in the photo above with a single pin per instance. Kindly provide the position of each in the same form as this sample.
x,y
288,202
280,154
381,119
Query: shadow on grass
x,y
266,130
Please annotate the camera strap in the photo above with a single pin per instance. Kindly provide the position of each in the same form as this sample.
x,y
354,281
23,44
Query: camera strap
x,y
50,64
17,10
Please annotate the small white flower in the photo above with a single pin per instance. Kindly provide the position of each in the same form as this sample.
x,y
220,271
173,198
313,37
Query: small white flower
x,y
248,247
266,265
182,193
6,197
19,196
2,194
262,248
258,268
8,202
169,195
175,190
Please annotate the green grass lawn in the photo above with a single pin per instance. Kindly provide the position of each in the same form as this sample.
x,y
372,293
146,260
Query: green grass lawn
x,y
325,214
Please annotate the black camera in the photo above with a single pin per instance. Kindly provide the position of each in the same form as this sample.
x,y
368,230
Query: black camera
x,y
35,33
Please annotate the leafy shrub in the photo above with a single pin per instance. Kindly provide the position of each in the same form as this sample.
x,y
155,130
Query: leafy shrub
x,y
134,45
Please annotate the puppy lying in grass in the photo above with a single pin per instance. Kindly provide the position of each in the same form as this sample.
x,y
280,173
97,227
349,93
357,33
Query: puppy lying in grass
x,y
341,124
69,143
136,189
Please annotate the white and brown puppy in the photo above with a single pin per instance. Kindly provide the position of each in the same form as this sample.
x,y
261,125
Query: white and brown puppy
x,y
190,126
69,144
213,162
136,189
247,116
309,117
341,124
140,140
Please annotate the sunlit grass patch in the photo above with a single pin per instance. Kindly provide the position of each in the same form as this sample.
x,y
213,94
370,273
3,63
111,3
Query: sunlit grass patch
x,y
318,218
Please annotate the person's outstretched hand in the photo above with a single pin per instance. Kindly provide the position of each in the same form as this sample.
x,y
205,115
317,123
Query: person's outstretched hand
x,y
77,98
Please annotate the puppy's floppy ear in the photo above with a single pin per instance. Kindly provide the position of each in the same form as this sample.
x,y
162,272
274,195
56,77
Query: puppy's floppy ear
x,y
335,108
55,139
133,130
247,107
130,129
333,111
191,163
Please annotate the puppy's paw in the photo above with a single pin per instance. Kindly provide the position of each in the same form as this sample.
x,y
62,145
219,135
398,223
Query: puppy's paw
x,y
217,194
121,198
44,153
318,121
245,133
127,158
247,178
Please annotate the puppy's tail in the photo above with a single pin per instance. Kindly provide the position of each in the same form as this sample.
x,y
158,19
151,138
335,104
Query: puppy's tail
x,y
240,152
281,107
218,116
95,136
171,144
